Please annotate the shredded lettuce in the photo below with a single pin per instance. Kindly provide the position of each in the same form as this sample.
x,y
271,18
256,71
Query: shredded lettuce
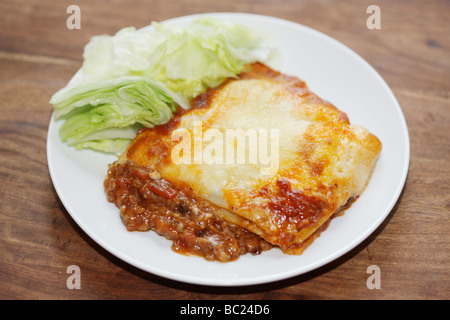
x,y
138,77
113,109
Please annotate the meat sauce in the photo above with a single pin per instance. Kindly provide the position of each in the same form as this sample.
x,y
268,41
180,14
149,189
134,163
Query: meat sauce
x,y
154,204
292,206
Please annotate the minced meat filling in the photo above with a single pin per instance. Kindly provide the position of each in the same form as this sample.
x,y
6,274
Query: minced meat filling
x,y
146,204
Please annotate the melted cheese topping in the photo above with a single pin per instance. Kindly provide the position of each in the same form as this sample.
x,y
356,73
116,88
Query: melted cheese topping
x,y
317,160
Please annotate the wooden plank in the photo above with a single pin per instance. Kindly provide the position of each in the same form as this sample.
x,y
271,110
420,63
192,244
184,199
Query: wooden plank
x,y
39,240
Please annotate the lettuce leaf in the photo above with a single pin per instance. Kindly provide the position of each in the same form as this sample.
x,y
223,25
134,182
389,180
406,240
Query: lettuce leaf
x,y
138,77
110,110
115,146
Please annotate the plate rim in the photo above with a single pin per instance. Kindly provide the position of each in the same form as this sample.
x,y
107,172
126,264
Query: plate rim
x,y
266,279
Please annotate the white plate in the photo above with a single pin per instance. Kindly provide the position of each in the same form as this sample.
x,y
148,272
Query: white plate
x,y
331,70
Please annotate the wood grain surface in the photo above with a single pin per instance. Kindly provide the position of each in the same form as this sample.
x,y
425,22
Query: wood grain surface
x,y
39,239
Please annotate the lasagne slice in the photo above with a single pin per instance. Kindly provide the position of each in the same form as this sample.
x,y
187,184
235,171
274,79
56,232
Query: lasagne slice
x,y
257,162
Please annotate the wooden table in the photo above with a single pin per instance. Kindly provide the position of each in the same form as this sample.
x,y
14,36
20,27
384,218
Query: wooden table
x,y
39,239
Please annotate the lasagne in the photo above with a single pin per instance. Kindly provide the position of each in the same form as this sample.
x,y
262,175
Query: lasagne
x,y
182,181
